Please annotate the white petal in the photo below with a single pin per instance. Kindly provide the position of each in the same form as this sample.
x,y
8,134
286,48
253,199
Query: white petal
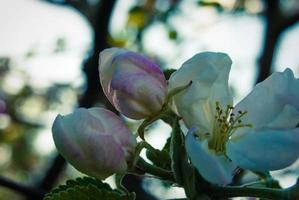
x,y
268,99
288,118
215,169
104,156
265,150
112,124
63,135
106,68
209,74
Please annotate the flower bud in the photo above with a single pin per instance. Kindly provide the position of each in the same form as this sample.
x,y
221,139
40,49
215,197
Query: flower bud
x,y
95,141
133,84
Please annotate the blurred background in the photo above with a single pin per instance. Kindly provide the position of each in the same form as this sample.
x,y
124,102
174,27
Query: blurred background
x,y
48,65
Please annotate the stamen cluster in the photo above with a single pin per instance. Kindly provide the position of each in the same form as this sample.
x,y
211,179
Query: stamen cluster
x,y
225,124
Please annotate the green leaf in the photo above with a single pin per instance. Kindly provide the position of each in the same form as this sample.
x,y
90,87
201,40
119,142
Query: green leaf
x,y
160,159
168,72
86,188
184,173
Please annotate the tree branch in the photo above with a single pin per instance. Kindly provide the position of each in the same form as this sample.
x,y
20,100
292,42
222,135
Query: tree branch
x,y
276,24
52,174
29,192
92,92
289,20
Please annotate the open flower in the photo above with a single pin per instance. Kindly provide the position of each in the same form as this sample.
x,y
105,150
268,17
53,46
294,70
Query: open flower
x,y
260,133
134,84
95,141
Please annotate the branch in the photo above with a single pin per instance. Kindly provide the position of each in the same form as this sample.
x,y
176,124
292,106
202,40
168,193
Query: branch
x,y
289,20
90,95
29,192
276,24
154,170
52,174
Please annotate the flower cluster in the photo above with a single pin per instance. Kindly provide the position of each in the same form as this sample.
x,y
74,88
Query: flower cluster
x,y
260,133
96,141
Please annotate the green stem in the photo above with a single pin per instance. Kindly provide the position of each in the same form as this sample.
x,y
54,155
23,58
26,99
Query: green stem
x,y
268,193
165,113
175,91
147,122
139,148
154,170
119,185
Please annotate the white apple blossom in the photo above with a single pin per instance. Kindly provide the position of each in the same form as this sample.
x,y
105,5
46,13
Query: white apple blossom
x,y
260,133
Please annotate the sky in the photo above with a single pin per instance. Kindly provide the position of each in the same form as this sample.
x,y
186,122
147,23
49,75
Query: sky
x,y
34,26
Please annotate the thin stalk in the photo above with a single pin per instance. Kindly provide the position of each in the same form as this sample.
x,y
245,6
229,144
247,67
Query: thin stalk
x,y
154,170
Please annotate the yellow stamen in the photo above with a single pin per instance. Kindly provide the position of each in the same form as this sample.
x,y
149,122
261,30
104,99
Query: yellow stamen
x,y
225,124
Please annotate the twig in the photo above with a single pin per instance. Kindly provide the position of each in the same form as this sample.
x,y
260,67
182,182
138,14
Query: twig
x,y
53,173
89,96
29,192
276,24
290,20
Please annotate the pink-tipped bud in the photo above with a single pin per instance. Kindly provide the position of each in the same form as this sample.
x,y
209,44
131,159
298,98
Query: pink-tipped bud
x,y
134,84
95,141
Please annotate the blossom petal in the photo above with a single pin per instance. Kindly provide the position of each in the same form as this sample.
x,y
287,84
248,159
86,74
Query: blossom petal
x,y
106,68
87,158
268,100
132,80
215,169
209,74
134,84
113,124
88,137
102,162
265,150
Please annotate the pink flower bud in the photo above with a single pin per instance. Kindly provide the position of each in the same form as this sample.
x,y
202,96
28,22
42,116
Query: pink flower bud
x,y
95,141
134,84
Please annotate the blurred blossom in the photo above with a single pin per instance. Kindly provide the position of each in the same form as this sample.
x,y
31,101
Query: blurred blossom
x,y
134,84
5,121
95,141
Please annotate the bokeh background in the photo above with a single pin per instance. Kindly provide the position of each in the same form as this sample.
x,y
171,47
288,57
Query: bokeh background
x,y
48,65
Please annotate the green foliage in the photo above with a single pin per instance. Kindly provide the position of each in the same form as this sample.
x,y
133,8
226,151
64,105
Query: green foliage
x,y
161,158
86,188
213,4
184,173
172,34
168,72
138,17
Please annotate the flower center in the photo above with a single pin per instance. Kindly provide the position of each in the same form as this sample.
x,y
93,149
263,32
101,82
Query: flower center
x,y
225,124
